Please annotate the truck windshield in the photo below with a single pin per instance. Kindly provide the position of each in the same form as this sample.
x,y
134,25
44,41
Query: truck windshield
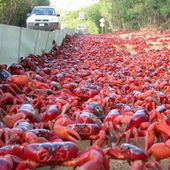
x,y
43,11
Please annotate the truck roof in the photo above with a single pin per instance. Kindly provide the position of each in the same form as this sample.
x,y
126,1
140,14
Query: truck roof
x,y
43,7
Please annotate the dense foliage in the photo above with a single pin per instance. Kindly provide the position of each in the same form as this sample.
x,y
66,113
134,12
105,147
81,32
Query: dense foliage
x,y
91,20
132,14
118,14
123,15
14,12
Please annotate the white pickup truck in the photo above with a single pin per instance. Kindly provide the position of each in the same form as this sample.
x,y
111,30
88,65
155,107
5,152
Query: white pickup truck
x,y
43,18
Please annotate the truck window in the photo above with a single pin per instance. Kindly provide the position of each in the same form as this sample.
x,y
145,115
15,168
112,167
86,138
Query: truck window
x,y
43,11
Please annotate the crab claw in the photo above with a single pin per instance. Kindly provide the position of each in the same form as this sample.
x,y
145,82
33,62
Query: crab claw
x,y
156,150
126,152
66,133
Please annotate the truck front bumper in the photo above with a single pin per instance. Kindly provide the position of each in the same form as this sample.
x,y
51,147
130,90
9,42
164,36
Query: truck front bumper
x,y
50,26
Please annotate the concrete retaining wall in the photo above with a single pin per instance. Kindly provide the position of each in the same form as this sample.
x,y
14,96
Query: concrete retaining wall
x,y
16,42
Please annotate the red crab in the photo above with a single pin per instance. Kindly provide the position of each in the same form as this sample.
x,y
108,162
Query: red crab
x,y
91,158
161,130
40,154
134,124
134,155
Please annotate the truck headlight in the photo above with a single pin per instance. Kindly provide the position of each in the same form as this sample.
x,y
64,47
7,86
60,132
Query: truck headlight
x,y
53,20
30,24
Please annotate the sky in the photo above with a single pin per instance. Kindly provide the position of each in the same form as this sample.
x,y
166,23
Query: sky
x,y
67,5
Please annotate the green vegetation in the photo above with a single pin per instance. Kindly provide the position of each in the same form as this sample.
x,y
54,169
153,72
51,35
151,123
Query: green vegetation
x,y
14,12
118,14
91,20
123,15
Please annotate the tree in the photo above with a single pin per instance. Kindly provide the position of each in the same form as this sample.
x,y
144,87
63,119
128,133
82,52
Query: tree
x,y
21,13
13,12
9,9
118,14
165,14
133,14
42,2
92,16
